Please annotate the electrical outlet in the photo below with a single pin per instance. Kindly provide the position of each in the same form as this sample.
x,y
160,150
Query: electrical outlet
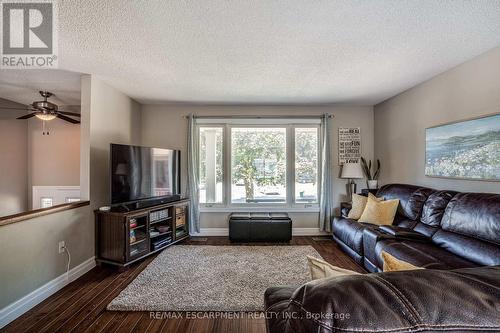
x,y
62,246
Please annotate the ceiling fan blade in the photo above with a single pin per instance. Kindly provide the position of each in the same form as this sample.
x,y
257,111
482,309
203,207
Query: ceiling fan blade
x,y
69,113
27,116
73,121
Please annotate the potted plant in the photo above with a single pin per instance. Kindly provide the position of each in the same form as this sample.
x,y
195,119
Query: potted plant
x,y
371,178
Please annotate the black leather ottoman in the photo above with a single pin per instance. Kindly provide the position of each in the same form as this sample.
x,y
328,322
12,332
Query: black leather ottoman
x,y
260,227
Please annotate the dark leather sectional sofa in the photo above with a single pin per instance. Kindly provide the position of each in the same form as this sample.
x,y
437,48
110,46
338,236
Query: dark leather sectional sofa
x,y
455,236
432,229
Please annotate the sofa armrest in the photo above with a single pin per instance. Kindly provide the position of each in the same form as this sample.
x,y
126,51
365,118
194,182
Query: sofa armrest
x,y
346,303
402,233
276,302
370,239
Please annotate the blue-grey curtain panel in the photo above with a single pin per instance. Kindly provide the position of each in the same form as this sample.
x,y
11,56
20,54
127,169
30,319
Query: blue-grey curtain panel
x,y
192,176
326,193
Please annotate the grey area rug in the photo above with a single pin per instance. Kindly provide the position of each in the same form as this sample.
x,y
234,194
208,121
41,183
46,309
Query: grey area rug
x,y
214,278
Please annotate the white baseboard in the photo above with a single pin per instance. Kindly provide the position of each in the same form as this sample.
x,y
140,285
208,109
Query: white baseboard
x,y
211,232
225,232
308,232
17,308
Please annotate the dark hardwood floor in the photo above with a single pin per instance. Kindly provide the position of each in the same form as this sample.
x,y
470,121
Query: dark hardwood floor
x,y
81,305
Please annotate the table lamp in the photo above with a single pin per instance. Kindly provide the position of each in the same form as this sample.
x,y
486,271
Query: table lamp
x,y
351,171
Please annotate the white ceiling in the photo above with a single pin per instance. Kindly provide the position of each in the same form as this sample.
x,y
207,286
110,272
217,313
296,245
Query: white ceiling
x,y
271,51
22,86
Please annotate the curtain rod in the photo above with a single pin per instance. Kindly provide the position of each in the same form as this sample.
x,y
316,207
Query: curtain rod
x,y
262,117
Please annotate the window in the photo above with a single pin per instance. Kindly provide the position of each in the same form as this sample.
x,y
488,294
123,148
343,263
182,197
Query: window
x,y
259,162
49,196
210,165
46,202
306,164
258,165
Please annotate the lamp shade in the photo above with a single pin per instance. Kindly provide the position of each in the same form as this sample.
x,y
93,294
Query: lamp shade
x,y
121,169
45,116
351,170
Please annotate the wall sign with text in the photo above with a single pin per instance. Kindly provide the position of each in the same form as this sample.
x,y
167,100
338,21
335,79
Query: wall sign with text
x,y
349,144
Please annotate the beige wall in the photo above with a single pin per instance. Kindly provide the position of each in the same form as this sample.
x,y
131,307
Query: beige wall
x,y
13,168
114,118
54,158
469,90
29,249
13,160
165,126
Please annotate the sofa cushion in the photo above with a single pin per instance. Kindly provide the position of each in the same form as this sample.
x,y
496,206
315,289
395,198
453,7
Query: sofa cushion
x,y
420,254
403,222
434,207
411,198
425,229
403,233
350,232
474,214
475,250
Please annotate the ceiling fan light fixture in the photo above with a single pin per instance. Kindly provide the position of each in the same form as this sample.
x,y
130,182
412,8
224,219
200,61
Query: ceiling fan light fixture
x,y
45,116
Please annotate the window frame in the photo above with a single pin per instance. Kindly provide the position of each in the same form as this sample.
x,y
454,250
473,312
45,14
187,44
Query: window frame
x,y
318,171
229,188
290,125
224,166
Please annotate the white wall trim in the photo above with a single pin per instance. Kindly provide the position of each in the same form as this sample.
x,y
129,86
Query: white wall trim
x,y
314,209
58,194
308,232
225,232
211,232
19,307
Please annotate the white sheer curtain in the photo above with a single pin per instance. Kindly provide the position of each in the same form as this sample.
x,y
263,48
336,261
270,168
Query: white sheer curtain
x,y
326,194
192,176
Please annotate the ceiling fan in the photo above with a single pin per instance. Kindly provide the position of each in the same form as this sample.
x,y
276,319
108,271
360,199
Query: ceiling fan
x,y
45,110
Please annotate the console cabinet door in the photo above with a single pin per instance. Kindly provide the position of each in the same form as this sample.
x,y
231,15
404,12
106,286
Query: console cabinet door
x,y
181,220
138,236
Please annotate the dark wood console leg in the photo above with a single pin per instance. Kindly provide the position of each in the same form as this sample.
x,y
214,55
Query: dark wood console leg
x,y
122,269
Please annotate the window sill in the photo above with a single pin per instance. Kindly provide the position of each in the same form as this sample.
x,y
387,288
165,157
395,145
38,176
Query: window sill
x,y
41,212
259,209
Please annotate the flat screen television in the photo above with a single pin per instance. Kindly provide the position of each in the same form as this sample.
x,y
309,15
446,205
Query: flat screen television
x,y
142,173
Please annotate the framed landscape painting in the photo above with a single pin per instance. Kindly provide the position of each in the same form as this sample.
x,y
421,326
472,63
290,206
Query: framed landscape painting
x,y
467,150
